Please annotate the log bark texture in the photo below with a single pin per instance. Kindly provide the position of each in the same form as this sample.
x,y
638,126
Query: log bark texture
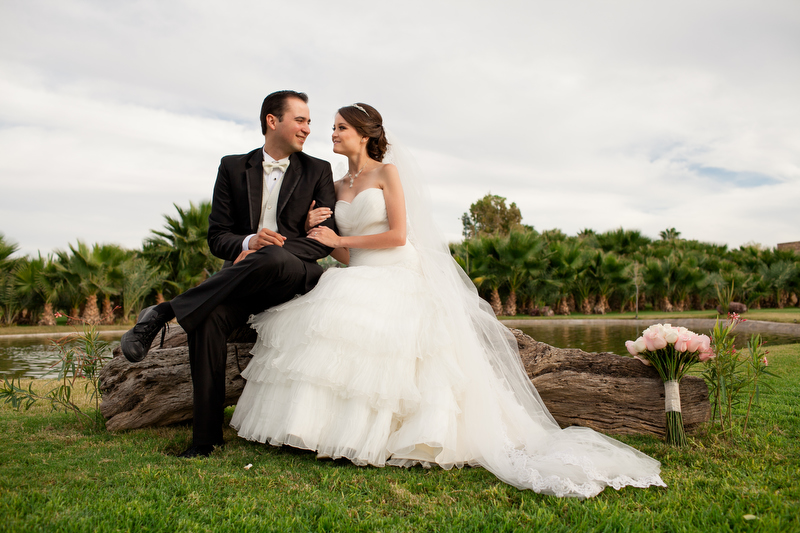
x,y
608,392
158,390
603,391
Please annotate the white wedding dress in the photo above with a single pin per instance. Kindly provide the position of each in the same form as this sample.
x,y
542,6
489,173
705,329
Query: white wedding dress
x,y
372,366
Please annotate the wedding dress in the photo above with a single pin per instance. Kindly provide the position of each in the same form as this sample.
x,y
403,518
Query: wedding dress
x,y
395,360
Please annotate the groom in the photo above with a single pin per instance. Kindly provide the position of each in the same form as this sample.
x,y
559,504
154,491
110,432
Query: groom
x,y
257,222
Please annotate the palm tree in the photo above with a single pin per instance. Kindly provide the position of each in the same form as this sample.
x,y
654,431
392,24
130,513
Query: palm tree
x,y
84,275
778,278
27,285
181,249
553,235
484,274
773,255
50,286
622,241
751,289
607,273
111,257
747,258
637,282
519,257
6,250
140,278
71,292
658,275
567,265
460,253
687,277
10,304
705,276
669,234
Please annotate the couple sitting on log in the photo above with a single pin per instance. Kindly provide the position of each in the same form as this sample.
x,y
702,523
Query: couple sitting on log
x,y
393,360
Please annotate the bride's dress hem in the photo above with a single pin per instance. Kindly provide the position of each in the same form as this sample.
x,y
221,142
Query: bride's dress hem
x,y
552,485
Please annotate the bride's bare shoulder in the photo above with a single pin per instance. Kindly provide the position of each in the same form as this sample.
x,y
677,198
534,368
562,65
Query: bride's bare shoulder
x,y
389,178
388,171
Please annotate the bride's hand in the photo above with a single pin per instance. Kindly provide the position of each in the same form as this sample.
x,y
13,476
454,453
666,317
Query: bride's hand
x,y
317,216
326,236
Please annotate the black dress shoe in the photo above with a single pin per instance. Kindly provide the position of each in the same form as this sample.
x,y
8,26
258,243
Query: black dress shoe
x,y
201,450
135,343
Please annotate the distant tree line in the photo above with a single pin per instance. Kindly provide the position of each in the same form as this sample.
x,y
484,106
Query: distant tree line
x,y
515,267
103,283
521,270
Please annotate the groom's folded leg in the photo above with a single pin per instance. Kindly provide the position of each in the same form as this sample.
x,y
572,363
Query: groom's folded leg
x,y
260,279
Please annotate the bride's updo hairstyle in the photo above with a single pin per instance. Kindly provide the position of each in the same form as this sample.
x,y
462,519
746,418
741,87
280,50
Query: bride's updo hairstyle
x,y
367,122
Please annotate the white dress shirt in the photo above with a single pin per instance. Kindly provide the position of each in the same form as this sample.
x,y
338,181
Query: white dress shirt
x,y
270,180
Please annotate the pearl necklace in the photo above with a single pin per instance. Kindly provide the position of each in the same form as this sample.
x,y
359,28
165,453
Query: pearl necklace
x,y
354,176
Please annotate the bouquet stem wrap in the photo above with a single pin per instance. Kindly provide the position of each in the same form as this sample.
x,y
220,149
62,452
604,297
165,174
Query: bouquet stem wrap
x,y
672,396
676,435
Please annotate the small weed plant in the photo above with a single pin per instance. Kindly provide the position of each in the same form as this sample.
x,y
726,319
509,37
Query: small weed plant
x,y
735,377
81,358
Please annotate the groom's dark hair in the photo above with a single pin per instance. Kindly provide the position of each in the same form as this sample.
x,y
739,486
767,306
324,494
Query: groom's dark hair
x,y
275,105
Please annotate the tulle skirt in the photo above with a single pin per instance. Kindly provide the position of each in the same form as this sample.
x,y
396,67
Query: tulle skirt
x,y
369,367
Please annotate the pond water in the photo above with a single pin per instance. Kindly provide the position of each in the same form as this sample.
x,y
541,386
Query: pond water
x,y
35,357
600,337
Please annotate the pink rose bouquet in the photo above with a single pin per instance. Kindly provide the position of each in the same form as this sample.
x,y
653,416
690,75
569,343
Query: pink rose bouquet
x,y
671,351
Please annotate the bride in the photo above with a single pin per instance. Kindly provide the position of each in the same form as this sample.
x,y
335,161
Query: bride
x,y
396,360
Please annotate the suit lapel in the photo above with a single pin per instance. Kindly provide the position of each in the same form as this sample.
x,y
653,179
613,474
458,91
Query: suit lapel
x,y
255,187
290,181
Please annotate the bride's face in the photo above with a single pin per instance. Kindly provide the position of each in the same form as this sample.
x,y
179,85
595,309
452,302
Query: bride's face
x,y
346,140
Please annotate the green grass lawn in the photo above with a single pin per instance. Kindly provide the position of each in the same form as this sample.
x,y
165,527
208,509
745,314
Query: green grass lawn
x,y
56,476
788,314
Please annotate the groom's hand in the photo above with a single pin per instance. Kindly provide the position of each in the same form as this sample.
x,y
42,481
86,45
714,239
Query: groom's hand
x,y
265,237
242,255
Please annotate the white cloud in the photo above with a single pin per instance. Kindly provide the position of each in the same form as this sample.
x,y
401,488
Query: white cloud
x,y
586,114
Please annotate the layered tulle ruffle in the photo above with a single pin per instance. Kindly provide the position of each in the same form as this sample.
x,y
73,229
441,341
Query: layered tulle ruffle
x,y
390,392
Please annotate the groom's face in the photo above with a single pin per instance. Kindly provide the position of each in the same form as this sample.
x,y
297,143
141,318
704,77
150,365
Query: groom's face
x,y
294,127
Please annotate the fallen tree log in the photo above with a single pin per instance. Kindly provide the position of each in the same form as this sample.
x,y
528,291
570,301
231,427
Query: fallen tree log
x,y
158,390
603,391
607,392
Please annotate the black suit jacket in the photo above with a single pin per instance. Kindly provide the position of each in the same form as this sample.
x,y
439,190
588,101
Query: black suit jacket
x,y
236,207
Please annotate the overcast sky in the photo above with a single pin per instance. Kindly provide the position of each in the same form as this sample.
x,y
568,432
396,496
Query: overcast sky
x,y
587,114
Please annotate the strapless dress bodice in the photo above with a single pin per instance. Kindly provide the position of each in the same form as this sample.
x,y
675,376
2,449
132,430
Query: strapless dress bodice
x,y
366,215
